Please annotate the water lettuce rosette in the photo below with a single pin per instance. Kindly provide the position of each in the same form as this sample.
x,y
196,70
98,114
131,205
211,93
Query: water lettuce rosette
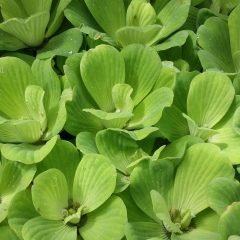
x,y
70,202
32,109
134,93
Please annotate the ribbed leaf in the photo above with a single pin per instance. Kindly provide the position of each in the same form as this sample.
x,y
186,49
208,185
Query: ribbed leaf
x,y
118,147
34,98
229,221
94,182
20,211
28,153
30,31
210,96
42,229
151,175
85,142
202,163
15,77
34,7
111,216
223,192
56,16
109,14
64,44
65,158
50,194
214,39
173,16
233,24
198,234
149,111
143,67
109,69
145,230
228,141
122,183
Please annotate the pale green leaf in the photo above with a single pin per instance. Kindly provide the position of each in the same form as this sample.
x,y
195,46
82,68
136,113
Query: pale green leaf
x,y
85,142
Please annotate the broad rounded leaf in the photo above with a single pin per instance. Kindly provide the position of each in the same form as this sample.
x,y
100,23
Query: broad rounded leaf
x,y
94,182
50,194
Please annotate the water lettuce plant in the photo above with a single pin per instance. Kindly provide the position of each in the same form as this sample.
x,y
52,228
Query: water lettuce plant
x,y
119,120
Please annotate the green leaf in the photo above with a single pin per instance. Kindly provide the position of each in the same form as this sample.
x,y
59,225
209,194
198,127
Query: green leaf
x,y
50,194
109,14
111,216
109,70
94,182
41,229
85,142
229,221
151,175
10,43
145,230
143,67
223,192
113,119
149,111
145,35
161,210
233,23
118,147
214,39
122,182
210,96
121,95
30,31
198,234
201,164
176,40
34,98
20,131
56,16
7,233
65,158
15,77
173,16
20,211
39,6
28,153
63,44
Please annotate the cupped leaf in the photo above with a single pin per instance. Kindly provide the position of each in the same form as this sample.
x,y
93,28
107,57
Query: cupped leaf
x,y
149,111
151,175
161,210
50,194
109,69
85,142
30,31
122,182
143,35
143,67
41,229
198,234
118,147
215,41
229,221
94,182
210,96
111,216
145,230
65,158
20,211
7,233
28,153
222,192
109,14
233,23
64,44
173,16
201,164
56,16
15,77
